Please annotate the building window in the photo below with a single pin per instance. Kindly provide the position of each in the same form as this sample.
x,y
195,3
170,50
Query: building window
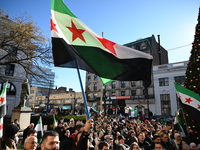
x,y
113,84
38,94
165,104
95,77
95,95
133,84
143,46
11,90
88,89
89,78
32,91
122,93
113,94
9,69
133,92
95,87
123,84
180,79
164,81
88,96
30,97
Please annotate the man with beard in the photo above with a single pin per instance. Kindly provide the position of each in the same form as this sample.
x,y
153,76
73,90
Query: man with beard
x,y
50,141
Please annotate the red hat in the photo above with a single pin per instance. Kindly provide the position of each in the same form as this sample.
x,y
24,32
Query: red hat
x,y
146,121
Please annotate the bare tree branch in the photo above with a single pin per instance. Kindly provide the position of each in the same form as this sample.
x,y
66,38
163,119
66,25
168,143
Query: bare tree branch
x,y
23,43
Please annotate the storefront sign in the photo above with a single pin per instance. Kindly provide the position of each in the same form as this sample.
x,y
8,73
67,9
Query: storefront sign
x,y
66,107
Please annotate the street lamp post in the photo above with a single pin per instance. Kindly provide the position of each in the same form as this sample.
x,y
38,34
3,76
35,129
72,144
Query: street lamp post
x,y
74,102
104,98
146,95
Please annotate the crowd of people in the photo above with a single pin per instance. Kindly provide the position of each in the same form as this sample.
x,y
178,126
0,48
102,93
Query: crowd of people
x,y
103,133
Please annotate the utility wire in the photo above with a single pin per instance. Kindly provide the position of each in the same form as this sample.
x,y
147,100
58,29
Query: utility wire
x,y
179,47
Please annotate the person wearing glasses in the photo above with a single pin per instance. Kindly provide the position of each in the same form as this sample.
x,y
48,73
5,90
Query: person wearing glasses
x,y
31,132
30,143
165,142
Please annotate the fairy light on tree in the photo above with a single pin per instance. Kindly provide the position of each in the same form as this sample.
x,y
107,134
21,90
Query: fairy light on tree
x,y
192,81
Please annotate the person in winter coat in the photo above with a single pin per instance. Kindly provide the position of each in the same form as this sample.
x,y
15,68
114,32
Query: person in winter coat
x,y
8,140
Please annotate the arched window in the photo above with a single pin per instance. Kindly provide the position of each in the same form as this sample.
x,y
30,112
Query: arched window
x,y
11,90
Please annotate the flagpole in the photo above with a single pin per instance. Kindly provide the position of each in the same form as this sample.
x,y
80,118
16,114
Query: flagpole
x,y
181,109
83,93
184,117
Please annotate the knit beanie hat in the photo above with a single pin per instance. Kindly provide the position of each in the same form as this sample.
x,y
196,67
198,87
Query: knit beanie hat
x,y
11,130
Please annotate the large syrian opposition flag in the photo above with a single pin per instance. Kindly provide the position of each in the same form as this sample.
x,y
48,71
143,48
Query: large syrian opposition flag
x,y
77,46
190,101
2,107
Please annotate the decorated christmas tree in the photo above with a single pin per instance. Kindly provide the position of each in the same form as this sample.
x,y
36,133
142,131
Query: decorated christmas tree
x,y
192,82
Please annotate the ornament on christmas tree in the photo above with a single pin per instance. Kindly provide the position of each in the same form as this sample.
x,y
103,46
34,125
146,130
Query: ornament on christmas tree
x,y
192,81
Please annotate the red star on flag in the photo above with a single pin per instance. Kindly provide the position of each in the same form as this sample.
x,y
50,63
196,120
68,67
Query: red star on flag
x,y
1,126
198,106
53,26
188,100
108,44
76,33
2,99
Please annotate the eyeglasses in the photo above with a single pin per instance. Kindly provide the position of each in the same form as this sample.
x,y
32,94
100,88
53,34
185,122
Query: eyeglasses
x,y
32,143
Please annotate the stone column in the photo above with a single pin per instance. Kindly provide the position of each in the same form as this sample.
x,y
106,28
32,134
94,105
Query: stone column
x,y
23,114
